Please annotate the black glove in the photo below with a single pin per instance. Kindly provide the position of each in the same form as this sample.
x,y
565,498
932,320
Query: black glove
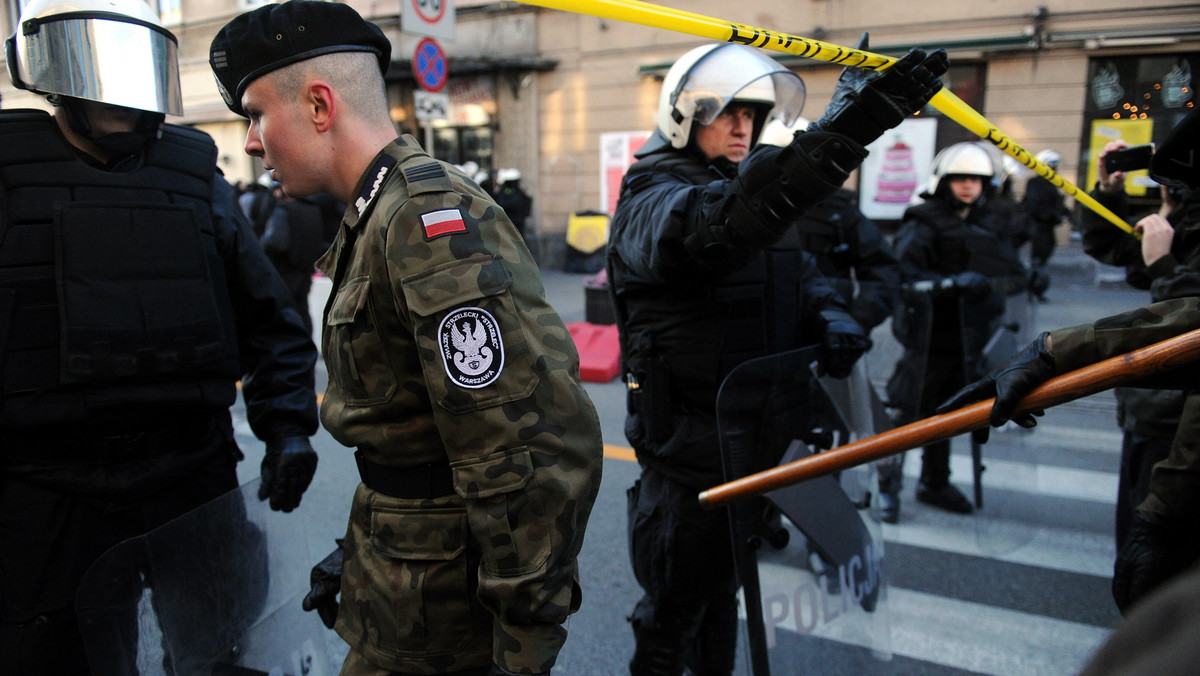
x,y
287,469
1151,554
972,284
867,103
500,671
844,343
326,581
1009,383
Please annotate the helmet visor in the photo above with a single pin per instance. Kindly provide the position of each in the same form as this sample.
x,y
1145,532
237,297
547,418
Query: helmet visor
x,y
745,76
105,58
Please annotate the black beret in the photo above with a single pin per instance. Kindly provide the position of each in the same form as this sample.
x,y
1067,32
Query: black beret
x,y
273,36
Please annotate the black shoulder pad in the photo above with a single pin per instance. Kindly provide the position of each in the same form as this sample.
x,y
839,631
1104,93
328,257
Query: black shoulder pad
x,y
427,177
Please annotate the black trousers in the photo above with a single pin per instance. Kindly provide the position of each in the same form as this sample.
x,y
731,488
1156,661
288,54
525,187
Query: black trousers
x,y
682,557
53,535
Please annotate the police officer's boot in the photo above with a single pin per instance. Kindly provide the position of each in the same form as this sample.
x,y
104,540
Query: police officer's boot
x,y
935,487
714,650
891,480
660,646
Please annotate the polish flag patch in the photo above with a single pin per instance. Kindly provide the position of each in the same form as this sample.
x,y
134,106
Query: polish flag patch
x,y
442,222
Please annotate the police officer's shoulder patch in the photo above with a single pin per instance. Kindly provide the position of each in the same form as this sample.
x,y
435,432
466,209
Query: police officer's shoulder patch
x,y
471,346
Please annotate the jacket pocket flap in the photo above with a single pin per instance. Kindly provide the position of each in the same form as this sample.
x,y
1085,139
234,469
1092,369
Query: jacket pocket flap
x,y
419,535
501,472
456,283
349,301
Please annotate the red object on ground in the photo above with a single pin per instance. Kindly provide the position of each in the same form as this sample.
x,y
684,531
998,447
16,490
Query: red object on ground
x,y
599,351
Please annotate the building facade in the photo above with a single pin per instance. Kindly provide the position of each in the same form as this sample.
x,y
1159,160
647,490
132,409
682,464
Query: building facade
x,y
564,97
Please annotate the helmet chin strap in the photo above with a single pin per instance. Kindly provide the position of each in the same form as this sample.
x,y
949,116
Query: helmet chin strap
x,y
118,144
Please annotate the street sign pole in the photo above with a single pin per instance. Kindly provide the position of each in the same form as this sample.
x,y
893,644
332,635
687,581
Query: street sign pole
x,y
430,69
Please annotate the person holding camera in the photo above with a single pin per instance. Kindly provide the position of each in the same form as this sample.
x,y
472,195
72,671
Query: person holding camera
x,y
1166,261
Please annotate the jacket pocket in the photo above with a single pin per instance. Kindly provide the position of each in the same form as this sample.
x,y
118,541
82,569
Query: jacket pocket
x,y
512,516
407,585
353,348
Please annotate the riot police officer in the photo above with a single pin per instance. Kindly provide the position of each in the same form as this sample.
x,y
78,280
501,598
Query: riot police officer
x,y
133,297
1044,206
706,273
958,246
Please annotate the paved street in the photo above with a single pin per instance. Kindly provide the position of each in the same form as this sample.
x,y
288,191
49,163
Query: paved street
x,y
1024,590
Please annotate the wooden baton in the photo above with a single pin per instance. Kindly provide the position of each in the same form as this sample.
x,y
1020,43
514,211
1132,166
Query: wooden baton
x,y
1147,361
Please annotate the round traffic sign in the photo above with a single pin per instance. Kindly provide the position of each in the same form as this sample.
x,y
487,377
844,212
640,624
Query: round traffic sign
x,y
430,11
429,65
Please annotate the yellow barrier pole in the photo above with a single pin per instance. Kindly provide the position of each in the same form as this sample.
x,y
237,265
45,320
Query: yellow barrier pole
x,y
667,18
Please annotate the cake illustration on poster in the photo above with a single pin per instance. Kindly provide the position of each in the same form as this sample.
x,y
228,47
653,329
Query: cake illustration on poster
x,y
898,176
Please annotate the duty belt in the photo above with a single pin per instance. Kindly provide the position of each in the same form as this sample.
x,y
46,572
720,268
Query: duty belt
x,y
430,480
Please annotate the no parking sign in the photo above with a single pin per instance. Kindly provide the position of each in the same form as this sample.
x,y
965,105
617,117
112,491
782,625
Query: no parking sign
x,y
429,65
434,18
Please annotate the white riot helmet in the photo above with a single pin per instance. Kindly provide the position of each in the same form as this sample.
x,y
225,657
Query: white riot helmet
x,y
960,159
1049,158
707,79
508,174
111,51
776,133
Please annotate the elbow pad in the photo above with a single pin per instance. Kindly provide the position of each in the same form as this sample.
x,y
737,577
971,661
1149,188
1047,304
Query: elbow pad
x,y
773,187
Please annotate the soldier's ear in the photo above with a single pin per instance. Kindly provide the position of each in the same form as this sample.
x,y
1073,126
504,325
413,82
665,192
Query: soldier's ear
x,y
322,104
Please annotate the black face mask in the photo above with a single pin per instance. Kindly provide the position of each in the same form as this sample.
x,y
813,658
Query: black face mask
x,y
119,144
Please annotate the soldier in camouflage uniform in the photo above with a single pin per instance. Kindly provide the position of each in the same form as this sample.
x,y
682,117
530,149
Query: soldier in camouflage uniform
x,y
1161,540
479,451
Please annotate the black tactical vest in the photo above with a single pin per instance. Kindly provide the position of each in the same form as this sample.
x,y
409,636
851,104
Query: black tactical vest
x,y
112,288
828,235
974,245
708,328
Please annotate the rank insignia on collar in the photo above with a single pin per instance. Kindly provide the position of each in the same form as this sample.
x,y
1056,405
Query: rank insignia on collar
x,y
442,222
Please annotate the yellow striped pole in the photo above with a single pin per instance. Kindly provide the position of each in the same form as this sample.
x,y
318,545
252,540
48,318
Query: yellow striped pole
x,y
666,18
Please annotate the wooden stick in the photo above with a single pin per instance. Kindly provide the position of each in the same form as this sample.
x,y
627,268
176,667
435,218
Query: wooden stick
x,y
1119,370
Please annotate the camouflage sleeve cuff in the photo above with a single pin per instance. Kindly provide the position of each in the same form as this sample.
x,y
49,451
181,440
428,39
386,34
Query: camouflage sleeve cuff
x,y
1073,348
1079,346
527,649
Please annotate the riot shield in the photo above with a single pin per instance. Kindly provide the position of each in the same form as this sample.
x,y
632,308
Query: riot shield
x,y
823,585
992,330
896,366
215,592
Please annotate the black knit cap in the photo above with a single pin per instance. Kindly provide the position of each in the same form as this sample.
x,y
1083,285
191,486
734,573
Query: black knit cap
x,y
277,35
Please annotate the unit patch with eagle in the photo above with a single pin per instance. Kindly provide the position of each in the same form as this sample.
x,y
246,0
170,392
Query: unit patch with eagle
x,y
471,347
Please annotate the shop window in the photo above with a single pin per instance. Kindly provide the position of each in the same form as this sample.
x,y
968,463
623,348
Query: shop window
x,y
968,82
170,12
1138,99
459,145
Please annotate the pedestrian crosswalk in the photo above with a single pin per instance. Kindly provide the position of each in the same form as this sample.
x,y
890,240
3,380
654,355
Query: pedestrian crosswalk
x,y
1035,599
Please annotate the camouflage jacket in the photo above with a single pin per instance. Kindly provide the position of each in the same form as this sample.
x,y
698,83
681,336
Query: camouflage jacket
x,y
440,346
1175,481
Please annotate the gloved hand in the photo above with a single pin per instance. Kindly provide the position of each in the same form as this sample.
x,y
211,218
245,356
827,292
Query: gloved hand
x,y
972,284
1009,383
844,343
500,671
287,469
1039,280
867,103
326,581
1150,555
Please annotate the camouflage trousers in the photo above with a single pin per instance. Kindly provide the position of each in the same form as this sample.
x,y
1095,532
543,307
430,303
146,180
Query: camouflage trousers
x,y
357,665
